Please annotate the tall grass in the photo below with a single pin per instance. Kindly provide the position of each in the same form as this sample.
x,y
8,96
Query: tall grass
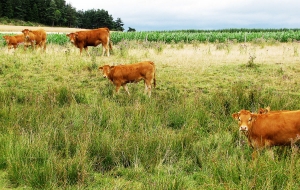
x,y
62,128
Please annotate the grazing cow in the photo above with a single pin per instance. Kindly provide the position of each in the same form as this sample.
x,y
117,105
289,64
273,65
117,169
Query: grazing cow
x,y
83,39
271,129
122,74
14,41
35,37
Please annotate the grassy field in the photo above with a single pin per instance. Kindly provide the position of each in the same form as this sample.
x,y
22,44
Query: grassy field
x,y
62,128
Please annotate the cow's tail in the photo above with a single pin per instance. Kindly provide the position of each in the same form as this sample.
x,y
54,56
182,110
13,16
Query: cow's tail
x,y
110,45
154,79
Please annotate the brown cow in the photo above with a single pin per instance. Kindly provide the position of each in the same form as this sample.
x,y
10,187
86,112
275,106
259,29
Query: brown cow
x,y
267,130
122,74
83,39
35,37
14,41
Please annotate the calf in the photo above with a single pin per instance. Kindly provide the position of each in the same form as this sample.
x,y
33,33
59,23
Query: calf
x,y
122,74
14,41
267,130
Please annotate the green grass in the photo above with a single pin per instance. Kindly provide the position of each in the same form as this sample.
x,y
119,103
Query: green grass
x,y
62,128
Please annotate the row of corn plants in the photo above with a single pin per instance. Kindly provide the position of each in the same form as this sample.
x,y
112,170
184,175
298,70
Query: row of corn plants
x,y
206,36
190,36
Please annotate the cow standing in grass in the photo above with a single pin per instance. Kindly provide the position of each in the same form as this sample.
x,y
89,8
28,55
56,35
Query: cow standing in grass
x,y
83,39
279,128
120,75
35,38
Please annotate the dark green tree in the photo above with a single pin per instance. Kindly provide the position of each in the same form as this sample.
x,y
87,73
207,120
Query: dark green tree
x,y
57,16
58,13
19,10
35,13
43,5
103,19
118,25
130,29
8,10
1,9
70,16
51,12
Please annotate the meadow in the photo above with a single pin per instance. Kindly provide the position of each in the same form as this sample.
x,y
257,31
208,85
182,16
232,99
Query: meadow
x,y
62,126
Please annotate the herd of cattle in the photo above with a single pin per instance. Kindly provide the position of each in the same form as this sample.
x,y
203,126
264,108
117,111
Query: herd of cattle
x,y
263,129
119,75
81,39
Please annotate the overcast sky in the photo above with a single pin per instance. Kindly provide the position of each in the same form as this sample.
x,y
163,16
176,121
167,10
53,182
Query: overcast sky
x,y
148,15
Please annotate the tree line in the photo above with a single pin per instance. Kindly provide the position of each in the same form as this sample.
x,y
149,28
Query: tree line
x,y
58,13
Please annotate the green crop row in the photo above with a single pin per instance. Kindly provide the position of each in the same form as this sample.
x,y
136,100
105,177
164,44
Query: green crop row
x,y
190,36
214,36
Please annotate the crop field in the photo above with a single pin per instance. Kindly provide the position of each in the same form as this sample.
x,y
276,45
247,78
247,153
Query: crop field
x,y
63,127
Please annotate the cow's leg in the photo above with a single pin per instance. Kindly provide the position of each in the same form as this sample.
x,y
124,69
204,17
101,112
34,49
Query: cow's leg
x,y
117,88
103,49
126,88
86,50
107,47
148,87
80,51
32,45
44,45
9,47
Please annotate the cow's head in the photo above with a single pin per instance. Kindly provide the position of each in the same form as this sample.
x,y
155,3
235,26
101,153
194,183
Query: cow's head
x,y
72,37
26,33
106,70
6,38
245,119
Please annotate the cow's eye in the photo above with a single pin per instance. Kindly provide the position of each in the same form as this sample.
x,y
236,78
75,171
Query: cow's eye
x,y
239,119
250,119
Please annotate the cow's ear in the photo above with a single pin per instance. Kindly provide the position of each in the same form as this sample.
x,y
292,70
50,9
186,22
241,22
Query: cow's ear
x,y
100,68
253,116
235,116
111,67
68,35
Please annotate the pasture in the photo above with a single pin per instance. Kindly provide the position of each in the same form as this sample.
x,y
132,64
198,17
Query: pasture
x,y
61,127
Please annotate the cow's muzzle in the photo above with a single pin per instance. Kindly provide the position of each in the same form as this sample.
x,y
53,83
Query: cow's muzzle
x,y
243,128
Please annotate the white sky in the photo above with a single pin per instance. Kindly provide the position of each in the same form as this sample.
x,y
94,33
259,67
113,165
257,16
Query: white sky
x,y
146,15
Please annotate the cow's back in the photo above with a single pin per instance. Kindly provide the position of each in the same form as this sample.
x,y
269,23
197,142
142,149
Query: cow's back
x,y
276,128
20,38
40,34
93,37
133,72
